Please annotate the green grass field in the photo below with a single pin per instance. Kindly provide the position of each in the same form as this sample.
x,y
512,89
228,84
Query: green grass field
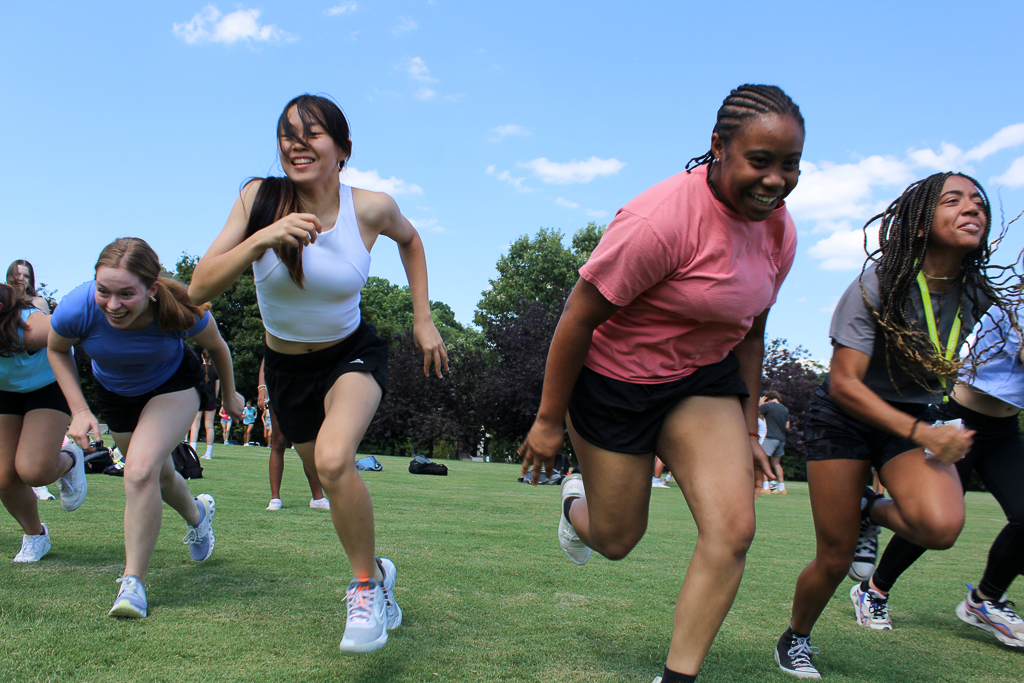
x,y
487,594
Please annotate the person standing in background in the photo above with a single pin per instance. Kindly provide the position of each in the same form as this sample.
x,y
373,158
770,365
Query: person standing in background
x,y
776,417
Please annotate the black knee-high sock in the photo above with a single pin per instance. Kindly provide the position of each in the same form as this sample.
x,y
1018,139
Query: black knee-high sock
x,y
671,676
897,558
1005,561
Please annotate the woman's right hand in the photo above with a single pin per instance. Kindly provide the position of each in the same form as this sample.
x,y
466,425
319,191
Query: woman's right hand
x,y
292,230
947,443
541,446
82,423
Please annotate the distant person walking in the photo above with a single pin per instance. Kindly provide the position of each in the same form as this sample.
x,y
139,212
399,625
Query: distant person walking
x,y
207,407
131,321
776,417
308,238
659,350
248,420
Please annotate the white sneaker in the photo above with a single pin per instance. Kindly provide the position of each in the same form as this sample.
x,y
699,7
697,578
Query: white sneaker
x,y
575,549
275,504
996,617
73,486
206,456
320,503
387,568
657,483
43,493
872,608
366,623
34,546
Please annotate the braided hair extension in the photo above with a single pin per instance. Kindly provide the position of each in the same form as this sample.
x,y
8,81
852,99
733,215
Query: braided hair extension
x,y
902,241
743,103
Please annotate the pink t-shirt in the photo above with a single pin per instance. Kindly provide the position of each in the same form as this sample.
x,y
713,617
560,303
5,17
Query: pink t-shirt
x,y
690,275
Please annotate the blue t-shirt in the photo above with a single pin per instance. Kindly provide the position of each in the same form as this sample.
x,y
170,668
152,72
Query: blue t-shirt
x,y
248,415
26,371
999,370
127,363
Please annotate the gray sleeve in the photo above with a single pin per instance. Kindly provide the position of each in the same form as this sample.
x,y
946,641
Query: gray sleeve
x,y
853,325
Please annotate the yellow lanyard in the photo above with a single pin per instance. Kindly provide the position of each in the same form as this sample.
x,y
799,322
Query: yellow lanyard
x,y
933,332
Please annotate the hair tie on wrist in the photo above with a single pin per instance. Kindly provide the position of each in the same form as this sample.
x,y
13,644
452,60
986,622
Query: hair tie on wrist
x,y
913,428
754,434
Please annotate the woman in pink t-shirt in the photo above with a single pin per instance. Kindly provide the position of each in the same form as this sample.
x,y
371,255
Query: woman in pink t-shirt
x,y
659,350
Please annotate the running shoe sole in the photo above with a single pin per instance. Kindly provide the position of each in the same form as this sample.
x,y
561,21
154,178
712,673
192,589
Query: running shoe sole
x,y
969,617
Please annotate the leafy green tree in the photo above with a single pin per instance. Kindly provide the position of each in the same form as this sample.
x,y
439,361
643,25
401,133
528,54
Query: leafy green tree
x,y
535,270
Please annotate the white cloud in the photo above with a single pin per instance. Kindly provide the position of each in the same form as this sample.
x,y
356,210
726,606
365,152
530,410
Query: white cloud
x,y
844,250
210,26
343,8
405,24
417,68
596,213
840,191
427,224
561,201
504,131
1010,136
953,158
424,94
371,180
572,171
1014,176
506,177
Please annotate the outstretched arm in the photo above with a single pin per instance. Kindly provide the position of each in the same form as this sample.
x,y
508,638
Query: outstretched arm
x,y
584,311
58,350
379,212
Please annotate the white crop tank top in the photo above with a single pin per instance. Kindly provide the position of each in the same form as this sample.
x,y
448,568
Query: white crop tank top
x,y
335,268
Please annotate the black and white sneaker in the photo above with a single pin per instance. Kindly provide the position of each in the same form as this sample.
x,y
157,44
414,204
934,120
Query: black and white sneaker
x,y
866,554
794,653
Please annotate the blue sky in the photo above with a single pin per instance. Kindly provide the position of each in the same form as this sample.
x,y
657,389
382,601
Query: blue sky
x,y
490,120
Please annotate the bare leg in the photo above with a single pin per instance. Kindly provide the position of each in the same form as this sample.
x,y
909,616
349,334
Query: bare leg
x,y
704,440
278,444
30,455
193,432
350,405
777,469
149,475
836,488
927,502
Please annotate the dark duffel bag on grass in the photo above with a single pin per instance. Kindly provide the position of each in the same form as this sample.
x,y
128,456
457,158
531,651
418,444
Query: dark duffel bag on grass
x,y
421,465
186,461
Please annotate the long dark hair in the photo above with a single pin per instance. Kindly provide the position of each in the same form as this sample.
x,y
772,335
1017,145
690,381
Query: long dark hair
x,y
173,309
902,241
12,301
12,275
276,196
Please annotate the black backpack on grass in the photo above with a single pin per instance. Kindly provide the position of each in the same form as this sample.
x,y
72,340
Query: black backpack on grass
x,y
186,461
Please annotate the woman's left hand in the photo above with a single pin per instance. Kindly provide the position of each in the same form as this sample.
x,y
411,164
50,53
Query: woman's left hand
x,y
762,466
428,341
234,404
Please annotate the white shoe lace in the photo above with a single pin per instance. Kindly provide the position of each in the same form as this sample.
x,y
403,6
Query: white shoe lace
x,y
867,543
129,584
801,651
66,485
360,604
1005,610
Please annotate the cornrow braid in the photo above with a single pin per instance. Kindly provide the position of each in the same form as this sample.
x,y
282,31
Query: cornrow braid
x,y
902,241
743,103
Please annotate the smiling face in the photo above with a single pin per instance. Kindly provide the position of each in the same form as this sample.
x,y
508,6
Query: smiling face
x,y
123,298
959,222
759,166
23,277
308,153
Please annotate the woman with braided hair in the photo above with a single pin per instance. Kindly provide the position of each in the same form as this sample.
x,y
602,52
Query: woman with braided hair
x,y
895,336
659,350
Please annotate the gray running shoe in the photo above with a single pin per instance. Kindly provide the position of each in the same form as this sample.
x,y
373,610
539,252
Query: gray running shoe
x,y
366,622
130,602
387,568
866,554
34,546
199,538
72,485
575,549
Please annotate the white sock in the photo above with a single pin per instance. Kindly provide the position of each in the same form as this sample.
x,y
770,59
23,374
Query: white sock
x,y
782,486
764,486
194,444
209,449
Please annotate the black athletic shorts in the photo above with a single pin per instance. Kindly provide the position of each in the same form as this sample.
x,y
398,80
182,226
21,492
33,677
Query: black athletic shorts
x,y
121,413
298,383
49,397
626,418
832,434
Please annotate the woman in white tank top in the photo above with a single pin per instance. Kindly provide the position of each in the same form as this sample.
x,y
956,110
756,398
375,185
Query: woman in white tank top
x,y
308,239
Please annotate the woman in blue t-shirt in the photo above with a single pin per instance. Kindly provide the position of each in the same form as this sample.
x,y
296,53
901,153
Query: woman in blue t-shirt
x,y
33,419
131,321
